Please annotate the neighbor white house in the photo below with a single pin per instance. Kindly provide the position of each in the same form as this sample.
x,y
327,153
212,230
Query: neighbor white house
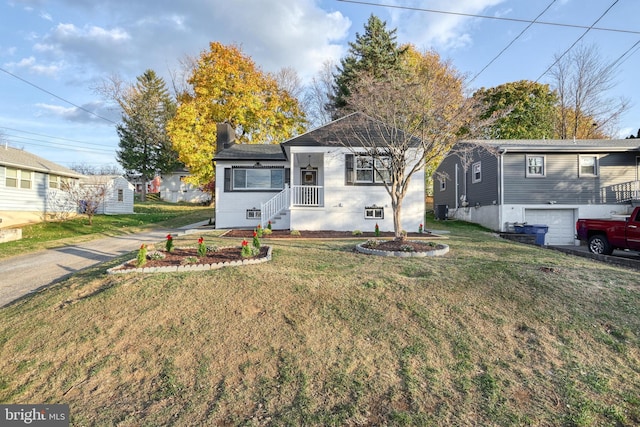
x,y
118,196
174,189
29,186
315,181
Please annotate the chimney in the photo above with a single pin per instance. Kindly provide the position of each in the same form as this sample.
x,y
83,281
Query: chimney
x,y
225,135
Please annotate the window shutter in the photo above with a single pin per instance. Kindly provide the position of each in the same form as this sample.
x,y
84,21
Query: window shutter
x,y
227,179
287,176
349,169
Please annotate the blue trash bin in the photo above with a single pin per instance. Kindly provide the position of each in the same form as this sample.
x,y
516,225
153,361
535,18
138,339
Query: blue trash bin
x,y
541,233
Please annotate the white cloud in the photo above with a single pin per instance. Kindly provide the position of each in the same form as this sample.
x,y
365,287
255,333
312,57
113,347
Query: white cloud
x,y
442,31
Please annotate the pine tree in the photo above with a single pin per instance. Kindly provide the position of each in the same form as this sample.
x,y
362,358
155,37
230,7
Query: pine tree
x,y
376,52
145,148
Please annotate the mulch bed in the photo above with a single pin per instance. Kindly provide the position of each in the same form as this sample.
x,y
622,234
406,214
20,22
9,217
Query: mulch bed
x,y
178,256
306,234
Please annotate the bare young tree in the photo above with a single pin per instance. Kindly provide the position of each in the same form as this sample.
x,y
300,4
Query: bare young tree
x,y
413,119
86,196
582,79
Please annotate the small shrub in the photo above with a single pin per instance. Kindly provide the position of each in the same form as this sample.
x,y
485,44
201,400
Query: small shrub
x,y
267,232
406,248
168,245
189,260
259,230
269,225
356,233
202,248
142,256
213,248
256,240
295,233
377,230
155,255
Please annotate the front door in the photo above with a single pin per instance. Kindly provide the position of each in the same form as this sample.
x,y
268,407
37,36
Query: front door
x,y
309,195
309,177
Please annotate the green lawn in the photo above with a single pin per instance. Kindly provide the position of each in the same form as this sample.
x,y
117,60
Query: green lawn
x,y
54,234
494,333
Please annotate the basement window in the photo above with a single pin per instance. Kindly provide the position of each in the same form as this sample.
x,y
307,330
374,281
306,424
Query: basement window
x,y
254,213
373,212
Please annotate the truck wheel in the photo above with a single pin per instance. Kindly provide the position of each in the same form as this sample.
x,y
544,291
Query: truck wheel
x,y
599,244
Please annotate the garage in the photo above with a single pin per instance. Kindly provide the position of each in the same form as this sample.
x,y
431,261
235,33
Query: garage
x,y
561,224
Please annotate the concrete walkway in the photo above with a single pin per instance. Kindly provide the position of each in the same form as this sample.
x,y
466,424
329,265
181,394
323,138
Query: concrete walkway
x,y
24,274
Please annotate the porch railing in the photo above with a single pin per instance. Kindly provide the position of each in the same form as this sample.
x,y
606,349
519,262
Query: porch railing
x,y
307,195
274,206
624,192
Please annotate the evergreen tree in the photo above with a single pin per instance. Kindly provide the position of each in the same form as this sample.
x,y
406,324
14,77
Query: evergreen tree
x,y
145,148
375,52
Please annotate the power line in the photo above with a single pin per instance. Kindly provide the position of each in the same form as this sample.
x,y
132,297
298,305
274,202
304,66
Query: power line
x,y
49,136
497,18
512,42
51,144
576,42
56,96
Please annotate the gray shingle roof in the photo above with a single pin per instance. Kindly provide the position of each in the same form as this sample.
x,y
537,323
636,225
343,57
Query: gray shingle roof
x,y
567,145
21,159
252,152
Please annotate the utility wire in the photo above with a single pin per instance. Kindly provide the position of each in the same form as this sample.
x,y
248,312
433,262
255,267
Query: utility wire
x,y
52,144
497,18
56,96
576,42
49,136
512,41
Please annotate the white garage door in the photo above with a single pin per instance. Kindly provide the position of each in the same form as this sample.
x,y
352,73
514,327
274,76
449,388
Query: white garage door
x,y
561,222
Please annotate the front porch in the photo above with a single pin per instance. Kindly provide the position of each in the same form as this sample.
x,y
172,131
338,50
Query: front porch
x,y
311,196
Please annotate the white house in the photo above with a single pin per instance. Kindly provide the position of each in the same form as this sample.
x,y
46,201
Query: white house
x,y
173,189
315,181
118,197
28,186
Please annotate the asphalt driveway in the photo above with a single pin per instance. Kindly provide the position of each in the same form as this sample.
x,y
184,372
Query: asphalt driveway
x,y
24,274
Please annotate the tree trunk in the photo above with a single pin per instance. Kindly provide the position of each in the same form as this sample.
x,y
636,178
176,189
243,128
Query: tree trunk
x,y
143,196
396,205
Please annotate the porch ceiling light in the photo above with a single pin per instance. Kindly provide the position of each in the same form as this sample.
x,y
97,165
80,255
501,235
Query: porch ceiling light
x,y
309,165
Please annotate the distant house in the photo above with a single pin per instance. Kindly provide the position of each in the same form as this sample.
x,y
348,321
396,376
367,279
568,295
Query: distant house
x,y
118,197
173,189
28,185
550,182
309,182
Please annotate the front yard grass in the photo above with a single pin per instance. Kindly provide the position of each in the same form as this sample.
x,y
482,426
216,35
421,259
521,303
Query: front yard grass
x,y
493,333
52,234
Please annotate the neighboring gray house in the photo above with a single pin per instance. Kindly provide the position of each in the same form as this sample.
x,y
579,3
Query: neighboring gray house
x,y
118,195
310,182
551,182
28,183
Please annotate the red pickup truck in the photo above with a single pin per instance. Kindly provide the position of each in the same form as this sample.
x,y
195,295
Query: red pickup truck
x,y
605,235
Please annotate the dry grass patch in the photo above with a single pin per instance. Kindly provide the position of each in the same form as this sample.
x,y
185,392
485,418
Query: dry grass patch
x,y
494,333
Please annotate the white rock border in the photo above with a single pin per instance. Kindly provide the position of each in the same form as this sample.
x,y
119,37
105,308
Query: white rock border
x,y
191,267
403,254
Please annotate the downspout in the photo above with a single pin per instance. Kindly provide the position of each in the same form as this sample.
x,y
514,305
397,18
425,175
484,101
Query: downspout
x,y
501,188
456,185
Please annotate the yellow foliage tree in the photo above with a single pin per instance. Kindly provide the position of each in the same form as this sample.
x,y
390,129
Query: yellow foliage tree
x,y
226,86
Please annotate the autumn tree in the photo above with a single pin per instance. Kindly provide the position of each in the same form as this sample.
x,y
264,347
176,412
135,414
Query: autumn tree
x,y
582,79
144,149
522,110
226,86
376,53
418,115
86,196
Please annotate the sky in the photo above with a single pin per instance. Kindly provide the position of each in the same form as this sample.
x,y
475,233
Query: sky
x,y
53,53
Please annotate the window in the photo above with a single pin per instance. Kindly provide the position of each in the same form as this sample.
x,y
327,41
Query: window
x,y
476,173
11,177
254,213
535,167
258,179
362,169
373,212
588,166
17,178
120,195
443,184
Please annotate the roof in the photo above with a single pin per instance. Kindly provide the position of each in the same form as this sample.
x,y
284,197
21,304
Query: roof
x,y
560,145
252,152
21,159
355,129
